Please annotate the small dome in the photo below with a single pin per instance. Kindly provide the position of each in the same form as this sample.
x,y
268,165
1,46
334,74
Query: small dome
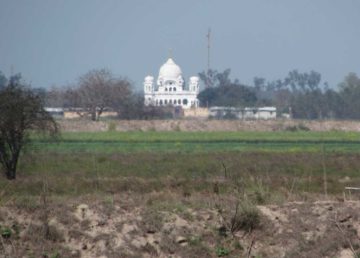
x,y
149,78
194,79
170,70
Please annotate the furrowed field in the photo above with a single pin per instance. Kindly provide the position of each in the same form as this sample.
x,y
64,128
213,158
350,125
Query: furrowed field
x,y
184,194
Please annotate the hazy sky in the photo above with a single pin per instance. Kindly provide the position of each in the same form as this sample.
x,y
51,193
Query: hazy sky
x,y
53,42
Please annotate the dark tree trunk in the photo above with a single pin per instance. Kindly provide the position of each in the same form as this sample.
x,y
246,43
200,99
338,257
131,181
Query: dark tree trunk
x,y
93,114
11,174
10,163
10,168
99,112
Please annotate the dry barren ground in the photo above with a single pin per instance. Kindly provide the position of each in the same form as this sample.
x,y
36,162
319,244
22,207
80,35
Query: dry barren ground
x,y
163,224
205,125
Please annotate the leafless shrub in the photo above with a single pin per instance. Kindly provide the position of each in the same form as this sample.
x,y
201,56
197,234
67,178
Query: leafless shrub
x,y
22,111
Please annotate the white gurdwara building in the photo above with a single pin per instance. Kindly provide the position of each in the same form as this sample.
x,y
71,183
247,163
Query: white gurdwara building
x,y
170,88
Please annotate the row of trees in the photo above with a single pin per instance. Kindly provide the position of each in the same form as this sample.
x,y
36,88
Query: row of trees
x,y
301,94
222,91
99,90
93,93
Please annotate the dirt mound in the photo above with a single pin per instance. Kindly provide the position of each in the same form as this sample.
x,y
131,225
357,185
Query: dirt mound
x,y
133,226
206,125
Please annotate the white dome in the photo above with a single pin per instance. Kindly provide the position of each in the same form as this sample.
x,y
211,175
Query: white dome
x,y
194,79
149,78
170,70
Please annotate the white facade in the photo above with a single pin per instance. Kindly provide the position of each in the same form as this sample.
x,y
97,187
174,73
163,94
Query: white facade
x,y
170,89
244,113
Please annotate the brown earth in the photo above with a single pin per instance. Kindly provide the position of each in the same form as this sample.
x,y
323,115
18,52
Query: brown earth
x,y
164,224
168,223
205,125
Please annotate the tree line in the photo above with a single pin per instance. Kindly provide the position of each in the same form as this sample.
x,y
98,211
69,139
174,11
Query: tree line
x,y
98,91
302,95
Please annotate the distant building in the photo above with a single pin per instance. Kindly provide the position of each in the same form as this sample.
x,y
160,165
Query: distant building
x,y
74,113
55,112
243,113
201,113
170,88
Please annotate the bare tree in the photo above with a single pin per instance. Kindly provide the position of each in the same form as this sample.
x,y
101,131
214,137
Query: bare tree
x,y
21,112
55,97
98,89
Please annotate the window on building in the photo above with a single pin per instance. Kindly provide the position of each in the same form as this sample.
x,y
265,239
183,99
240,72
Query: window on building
x,y
170,89
161,102
165,101
179,101
185,102
174,89
170,101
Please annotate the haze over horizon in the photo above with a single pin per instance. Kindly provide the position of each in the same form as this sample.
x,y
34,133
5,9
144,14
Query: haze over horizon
x,y
55,42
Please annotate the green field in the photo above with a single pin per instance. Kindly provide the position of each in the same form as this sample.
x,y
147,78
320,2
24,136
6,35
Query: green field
x,y
269,162
128,142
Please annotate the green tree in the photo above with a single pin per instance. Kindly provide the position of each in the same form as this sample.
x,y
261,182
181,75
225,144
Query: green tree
x,y
213,78
350,94
3,80
22,111
297,81
333,104
224,91
302,92
259,83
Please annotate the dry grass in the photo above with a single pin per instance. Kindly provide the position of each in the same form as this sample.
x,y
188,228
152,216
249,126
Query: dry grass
x,y
265,177
205,125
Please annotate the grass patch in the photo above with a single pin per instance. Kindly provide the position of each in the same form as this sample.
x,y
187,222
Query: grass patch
x,y
190,142
265,176
268,166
